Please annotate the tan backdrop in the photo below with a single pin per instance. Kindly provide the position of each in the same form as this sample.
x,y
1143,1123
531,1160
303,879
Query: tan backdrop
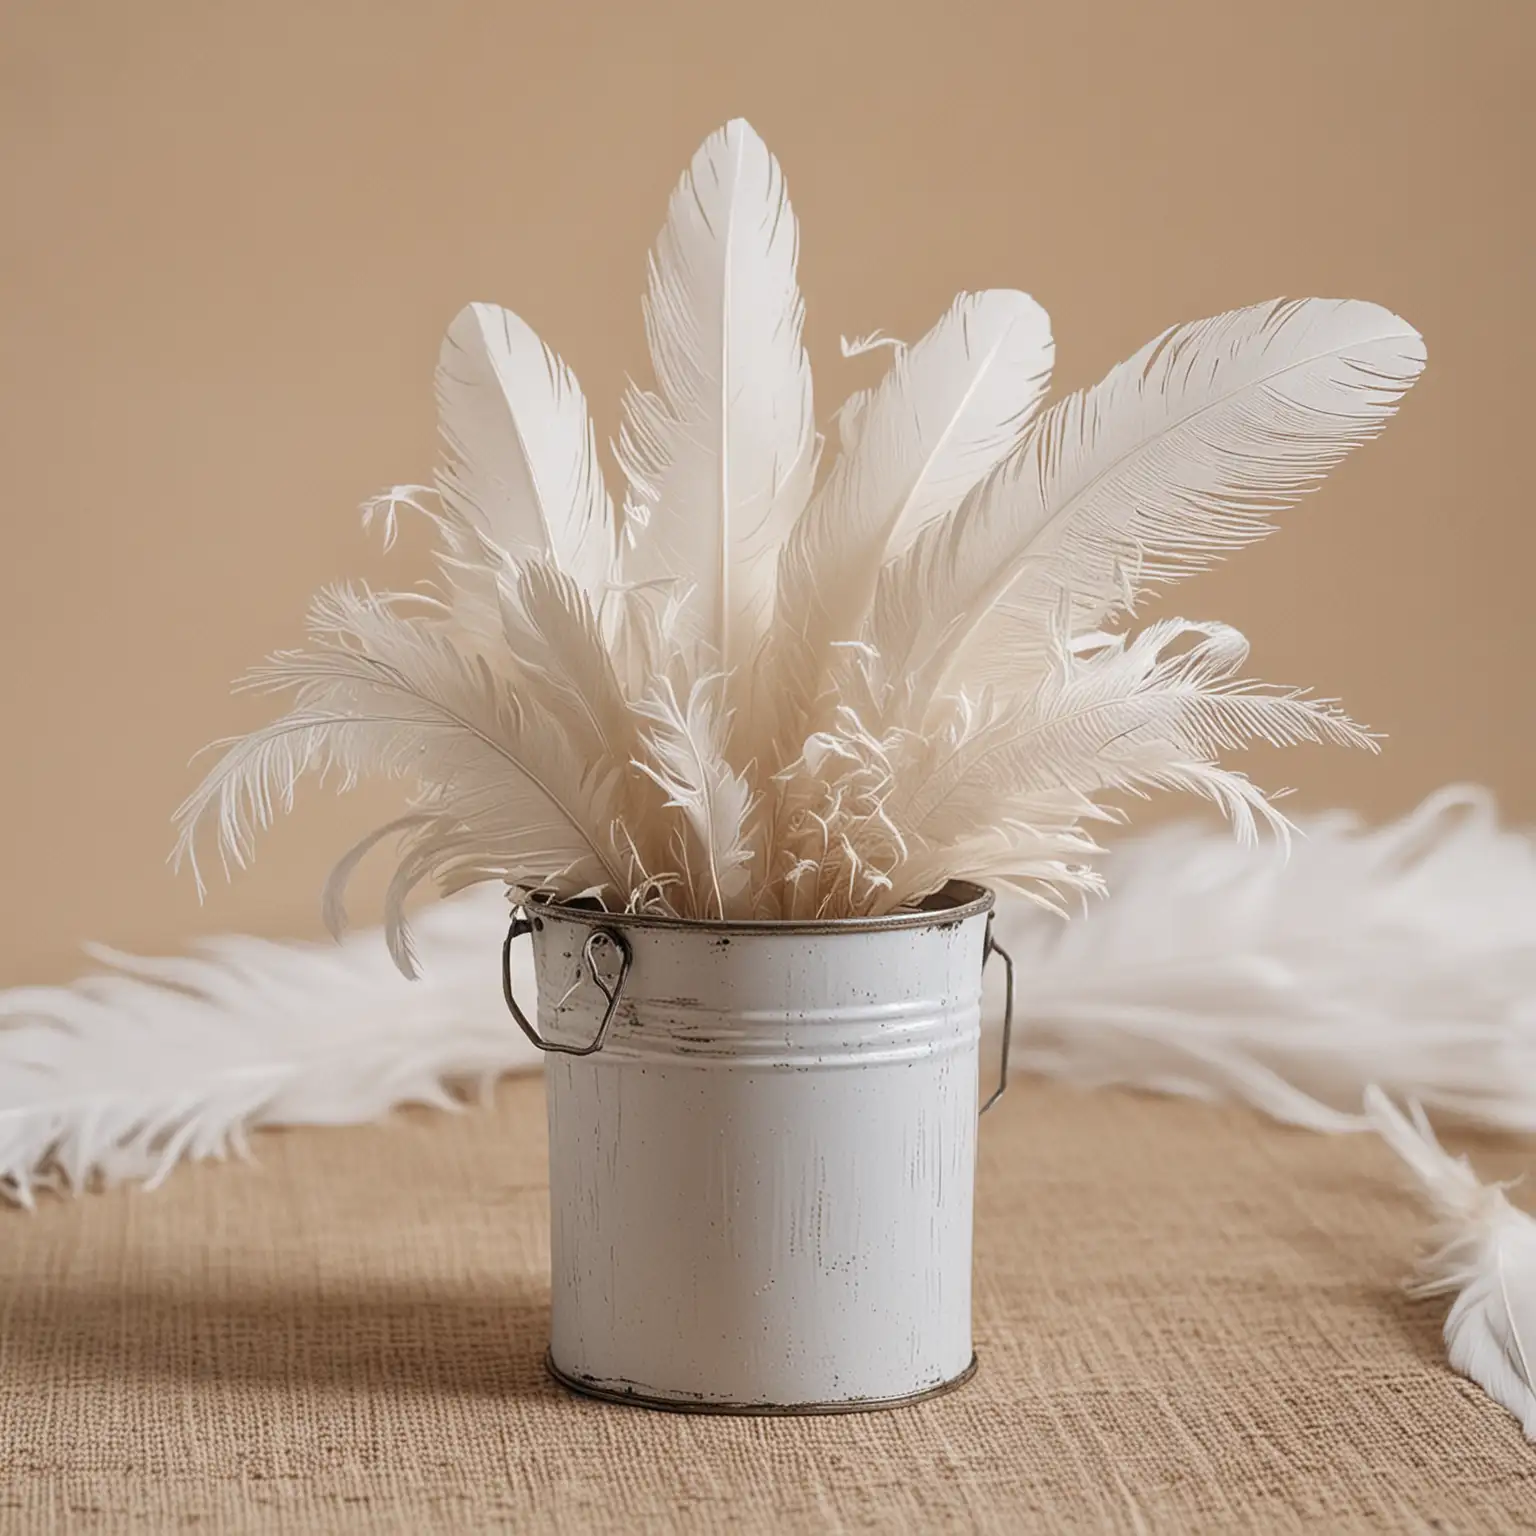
x,y
234,232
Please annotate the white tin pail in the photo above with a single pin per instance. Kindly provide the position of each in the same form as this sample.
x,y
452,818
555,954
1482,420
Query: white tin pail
x,y
762,1145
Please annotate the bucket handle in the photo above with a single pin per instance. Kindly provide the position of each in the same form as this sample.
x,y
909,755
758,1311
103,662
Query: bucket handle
x,y
522,925
994,948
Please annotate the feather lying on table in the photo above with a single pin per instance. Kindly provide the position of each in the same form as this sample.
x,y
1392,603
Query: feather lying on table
x,y
1403,955
150,1061
1485,1257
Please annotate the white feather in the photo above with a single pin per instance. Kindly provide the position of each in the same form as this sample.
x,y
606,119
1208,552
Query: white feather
x,y
1485,1257
1403,955
989,779
149,1062
522,469
377,693
684,754
949,408
555,643
333,895
1178,455
1129,716
720,460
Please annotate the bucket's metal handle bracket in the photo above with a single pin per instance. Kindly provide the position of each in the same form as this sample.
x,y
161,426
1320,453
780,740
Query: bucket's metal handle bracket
x,y
522,925
994,948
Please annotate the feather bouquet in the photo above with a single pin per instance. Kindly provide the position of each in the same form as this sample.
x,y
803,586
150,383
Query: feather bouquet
x,y
765,685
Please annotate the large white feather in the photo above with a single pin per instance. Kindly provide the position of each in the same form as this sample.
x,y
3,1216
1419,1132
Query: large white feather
x,y
720,459
522,468
949,408
1485,1258
1178,455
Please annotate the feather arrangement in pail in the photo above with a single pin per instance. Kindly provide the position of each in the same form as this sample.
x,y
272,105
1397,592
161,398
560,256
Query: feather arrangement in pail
x,y
733,741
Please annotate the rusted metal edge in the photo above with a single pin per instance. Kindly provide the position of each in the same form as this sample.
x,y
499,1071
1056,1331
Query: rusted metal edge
x,y
637,1399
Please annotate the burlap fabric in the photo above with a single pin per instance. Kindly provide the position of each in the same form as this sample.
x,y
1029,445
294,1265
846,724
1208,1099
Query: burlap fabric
x,y
1188,1320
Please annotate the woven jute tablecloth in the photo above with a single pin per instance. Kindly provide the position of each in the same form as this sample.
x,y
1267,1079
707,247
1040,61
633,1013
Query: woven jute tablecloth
x,y
1188,1320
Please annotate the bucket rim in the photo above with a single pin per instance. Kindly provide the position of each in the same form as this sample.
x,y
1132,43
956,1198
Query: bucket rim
x,y
954,902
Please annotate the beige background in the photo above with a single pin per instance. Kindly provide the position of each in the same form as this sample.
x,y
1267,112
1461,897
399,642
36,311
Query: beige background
x,y
234,233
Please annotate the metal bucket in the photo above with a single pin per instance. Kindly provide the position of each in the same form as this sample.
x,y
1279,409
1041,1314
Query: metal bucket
x,y
762,1145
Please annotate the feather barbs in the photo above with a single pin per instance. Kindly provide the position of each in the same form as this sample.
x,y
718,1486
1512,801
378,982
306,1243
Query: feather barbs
x,y
1485,1258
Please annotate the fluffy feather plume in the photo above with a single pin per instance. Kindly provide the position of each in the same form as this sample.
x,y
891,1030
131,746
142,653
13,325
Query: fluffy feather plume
x,y
685,758
555,643
1403,955
377,692
1127,716
152,1061
766,702
1485,1258
1018,774
720,458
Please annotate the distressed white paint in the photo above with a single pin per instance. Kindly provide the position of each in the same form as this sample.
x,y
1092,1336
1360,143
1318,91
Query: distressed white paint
x,y
762,1185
